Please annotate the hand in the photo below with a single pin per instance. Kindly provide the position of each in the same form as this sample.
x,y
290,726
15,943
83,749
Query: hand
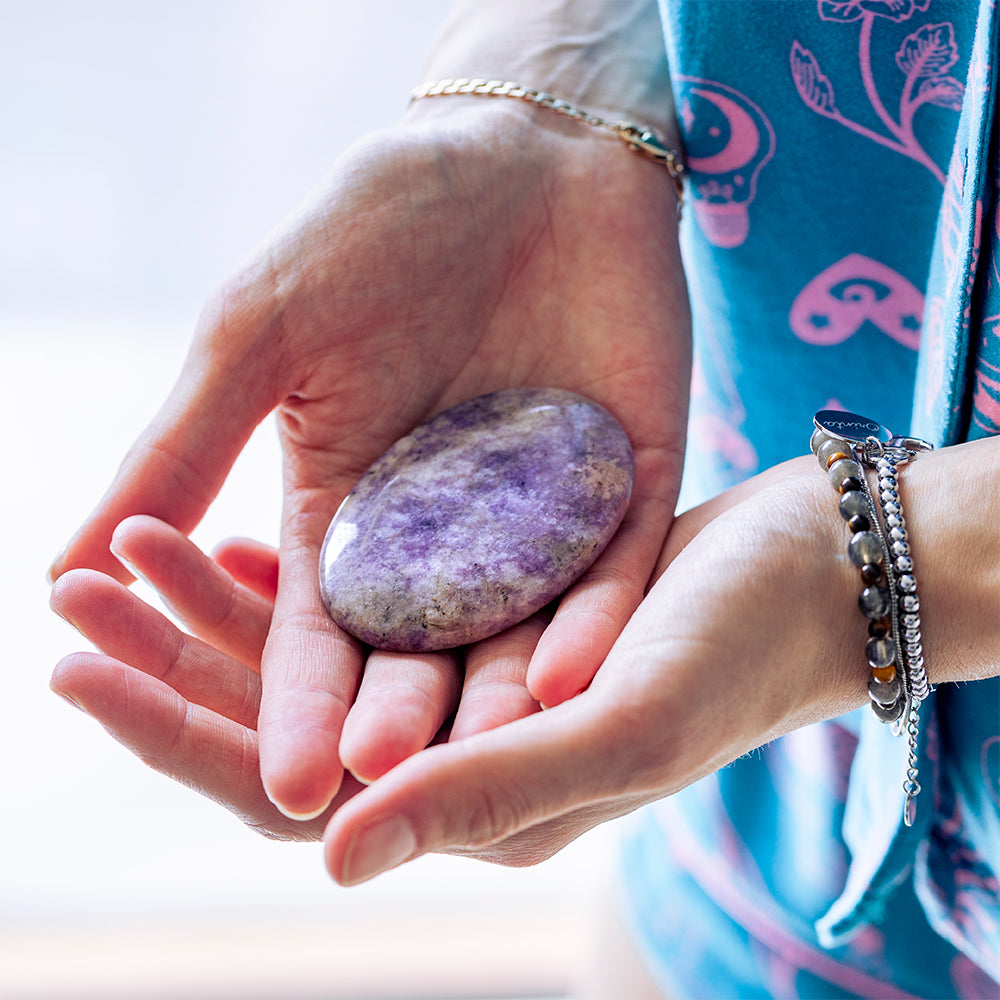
x,y
750,631
188,705
465,252
722,656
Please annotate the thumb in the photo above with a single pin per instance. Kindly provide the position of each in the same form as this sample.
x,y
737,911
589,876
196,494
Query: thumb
x,y
513,795
178,464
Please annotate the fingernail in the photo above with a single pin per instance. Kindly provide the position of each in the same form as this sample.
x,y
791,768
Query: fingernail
x,y
299,817
378,848
70,701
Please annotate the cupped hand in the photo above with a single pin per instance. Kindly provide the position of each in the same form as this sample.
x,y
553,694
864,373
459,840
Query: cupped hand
x,y
187,704
751,630
464,252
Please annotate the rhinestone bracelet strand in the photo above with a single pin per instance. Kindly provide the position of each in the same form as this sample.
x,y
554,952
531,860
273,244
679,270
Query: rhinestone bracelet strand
x,y
642,140
845,445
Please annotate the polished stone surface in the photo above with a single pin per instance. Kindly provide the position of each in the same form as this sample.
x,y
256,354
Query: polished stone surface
x,y
476,519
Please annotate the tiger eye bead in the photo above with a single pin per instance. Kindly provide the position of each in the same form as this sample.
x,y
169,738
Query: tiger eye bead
x,y
884,674
880,627
871,573
859,522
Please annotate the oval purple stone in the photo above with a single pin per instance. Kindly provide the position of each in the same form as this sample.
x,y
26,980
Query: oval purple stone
x,y
476,520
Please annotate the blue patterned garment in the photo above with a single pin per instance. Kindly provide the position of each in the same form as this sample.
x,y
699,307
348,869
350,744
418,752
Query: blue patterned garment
x,y
842,243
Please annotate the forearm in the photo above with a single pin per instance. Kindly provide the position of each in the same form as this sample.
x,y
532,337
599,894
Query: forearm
x,y
605,55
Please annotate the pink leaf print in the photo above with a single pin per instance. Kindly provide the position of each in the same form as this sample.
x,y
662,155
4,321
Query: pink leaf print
x,y
945,91
840,10
813,85
853,10
930,51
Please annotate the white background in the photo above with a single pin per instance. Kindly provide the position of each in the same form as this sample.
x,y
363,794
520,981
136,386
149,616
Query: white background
x,y
145,148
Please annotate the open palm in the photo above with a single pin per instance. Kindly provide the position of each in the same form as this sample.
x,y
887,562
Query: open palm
x,y
419,276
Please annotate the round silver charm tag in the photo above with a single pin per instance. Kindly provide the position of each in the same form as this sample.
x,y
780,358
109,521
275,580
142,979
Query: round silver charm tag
x,y
850,427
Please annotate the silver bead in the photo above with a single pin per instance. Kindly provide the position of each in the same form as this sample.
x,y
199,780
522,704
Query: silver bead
x,y
897,534
911,603
895,521
888,483
911,635
907,584
865,548
914,651
889,496
904,564
900,548
892,508
911,620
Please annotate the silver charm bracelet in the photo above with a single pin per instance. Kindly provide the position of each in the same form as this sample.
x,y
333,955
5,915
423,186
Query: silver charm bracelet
x,y
846,445
642,140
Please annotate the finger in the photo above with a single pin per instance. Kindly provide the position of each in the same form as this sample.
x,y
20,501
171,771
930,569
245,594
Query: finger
x,y
201,593
127,629
495,690
482,795
177,466
206,751
403,701
251,563
596,609
310,669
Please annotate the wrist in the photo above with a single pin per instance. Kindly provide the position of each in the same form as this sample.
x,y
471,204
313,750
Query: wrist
x,y
607,58
955,537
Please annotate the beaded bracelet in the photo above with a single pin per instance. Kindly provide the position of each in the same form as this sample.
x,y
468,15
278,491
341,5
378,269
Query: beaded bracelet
x,y
845,445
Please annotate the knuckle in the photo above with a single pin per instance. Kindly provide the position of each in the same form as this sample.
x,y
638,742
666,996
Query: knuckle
x,y
495,815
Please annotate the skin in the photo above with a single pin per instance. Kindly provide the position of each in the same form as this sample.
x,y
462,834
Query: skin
x,y
693,681
469,249
411,282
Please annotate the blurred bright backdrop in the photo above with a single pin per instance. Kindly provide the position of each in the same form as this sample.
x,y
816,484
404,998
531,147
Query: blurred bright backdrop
x,y
145,147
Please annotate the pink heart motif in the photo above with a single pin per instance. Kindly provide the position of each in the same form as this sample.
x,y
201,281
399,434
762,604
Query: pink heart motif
x,y
854,291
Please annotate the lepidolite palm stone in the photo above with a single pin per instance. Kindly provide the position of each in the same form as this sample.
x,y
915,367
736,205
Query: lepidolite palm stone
x,y
476,520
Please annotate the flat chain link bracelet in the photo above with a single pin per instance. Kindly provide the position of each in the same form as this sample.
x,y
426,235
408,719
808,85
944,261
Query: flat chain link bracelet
x,y
642,140
847,445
